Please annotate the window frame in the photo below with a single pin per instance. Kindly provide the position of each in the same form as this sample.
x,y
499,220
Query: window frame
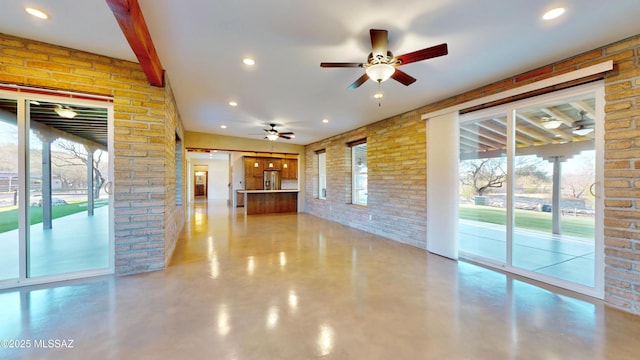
x,y
322,174
356,174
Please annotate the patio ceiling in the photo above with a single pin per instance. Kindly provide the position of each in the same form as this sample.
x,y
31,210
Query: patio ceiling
x,y
487,136
89,124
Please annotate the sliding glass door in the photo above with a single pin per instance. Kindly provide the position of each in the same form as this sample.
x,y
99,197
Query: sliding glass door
x,y
483,175
9,187
553,190
54,210
529,188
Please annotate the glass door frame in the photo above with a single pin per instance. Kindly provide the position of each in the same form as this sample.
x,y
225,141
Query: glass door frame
x,y
597,89
23,96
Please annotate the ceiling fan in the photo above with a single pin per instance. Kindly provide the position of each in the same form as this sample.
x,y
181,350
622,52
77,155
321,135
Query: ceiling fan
x,y
273,134
583,126
382,64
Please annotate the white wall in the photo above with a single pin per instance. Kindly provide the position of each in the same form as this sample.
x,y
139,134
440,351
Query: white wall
x,y
218,179
218,185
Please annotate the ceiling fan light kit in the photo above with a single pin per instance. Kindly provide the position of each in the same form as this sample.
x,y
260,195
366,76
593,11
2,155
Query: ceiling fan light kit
x,y
65,112
550,123
380,72
582,130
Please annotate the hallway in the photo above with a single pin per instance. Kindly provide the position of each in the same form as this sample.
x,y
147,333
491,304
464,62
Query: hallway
x,y
294,286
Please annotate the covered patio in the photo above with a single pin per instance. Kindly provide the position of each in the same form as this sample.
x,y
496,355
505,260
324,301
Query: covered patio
x,y
77,242
560,256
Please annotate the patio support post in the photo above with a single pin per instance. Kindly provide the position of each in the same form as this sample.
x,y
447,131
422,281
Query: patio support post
x,y
555,201
90,183
47,222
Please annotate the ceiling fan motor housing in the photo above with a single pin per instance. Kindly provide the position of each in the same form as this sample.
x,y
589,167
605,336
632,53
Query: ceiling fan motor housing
x,y
378,59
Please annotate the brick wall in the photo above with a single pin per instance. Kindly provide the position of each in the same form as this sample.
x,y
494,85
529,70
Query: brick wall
x,y
397,173
145,124
175,172
396,160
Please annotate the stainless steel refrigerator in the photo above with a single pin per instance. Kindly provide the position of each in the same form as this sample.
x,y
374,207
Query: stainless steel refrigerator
x,y
271,180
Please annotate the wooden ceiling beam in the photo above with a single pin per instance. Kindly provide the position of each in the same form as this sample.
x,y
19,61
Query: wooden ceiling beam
x,y
131,21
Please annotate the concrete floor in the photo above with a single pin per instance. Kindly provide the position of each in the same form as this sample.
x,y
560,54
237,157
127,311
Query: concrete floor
x,y
561,256
298,287
76,242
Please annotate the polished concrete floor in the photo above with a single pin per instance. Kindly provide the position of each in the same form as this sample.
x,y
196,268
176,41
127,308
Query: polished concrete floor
x,y
298,287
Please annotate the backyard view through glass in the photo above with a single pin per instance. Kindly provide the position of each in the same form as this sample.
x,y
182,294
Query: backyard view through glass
x,y
552,201
55,204
9,254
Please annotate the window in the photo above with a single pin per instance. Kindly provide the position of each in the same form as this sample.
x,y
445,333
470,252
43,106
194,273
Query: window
x,y
359,172
322,174
178,169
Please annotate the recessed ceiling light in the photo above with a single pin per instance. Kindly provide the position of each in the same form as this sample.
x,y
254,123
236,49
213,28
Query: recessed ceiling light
x,y
249,61
325,120
553,13
223,126
233,103
37,13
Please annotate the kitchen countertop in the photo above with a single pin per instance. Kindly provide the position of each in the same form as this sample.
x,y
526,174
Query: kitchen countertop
x,y
267,191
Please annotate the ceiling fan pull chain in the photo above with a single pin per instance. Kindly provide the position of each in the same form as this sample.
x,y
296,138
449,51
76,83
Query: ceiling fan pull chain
x,y
379,94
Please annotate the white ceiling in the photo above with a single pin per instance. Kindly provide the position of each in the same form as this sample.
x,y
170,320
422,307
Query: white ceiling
x,y
201,44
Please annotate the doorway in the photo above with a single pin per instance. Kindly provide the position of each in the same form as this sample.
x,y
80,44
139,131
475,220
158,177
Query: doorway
x,y
201,180
530,175
209,175
55,167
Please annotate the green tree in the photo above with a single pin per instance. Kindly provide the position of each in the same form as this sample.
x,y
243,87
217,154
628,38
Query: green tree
x,y
483,174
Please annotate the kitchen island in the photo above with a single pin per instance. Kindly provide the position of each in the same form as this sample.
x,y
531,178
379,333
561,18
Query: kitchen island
x,y
270,201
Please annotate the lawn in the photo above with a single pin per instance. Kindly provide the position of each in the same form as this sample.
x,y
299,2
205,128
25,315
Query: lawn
x,y
527,219
9,216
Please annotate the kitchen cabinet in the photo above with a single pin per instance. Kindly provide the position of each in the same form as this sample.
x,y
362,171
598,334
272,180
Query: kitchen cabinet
x,y
272,164
270,201
253,174
239,199
289,169
250,168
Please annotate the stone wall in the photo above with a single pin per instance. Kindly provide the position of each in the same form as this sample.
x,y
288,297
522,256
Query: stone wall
x,y
396,161
397,173
147,219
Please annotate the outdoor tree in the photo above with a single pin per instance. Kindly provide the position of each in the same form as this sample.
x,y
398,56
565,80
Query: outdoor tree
x,y
483,174
71,163
532,174
577,179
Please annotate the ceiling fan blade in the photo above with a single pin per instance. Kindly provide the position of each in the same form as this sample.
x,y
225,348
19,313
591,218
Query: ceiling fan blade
x,y
284,137
424,54
361,80
339,64
379,43
287,133
403,78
